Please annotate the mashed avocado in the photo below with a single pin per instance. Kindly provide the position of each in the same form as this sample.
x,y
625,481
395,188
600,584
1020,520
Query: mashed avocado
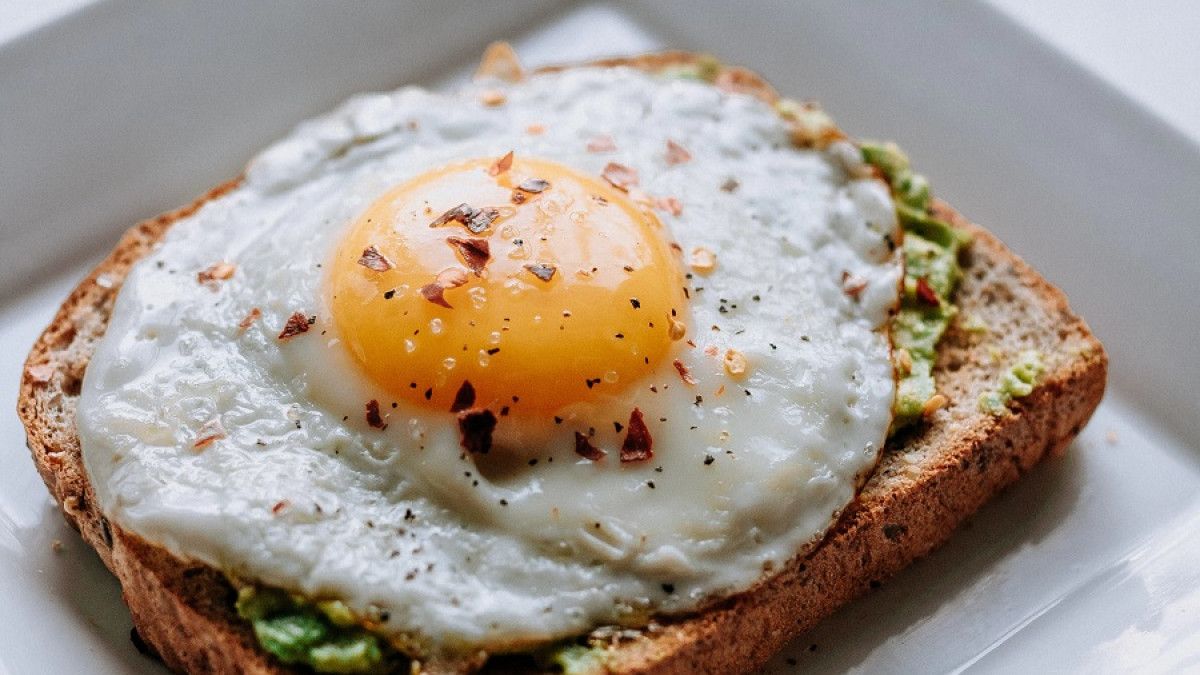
x,y
1017,381
931,274
577,660
324,636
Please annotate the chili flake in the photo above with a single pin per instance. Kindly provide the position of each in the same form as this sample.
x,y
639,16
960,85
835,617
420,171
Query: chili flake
x,y
676,153
296,324
853,285
638,445
250,318
209,433
926,294
475,220
217,272
372,259
669,204
475,252
482,219
620,176
585,449
601,144
500,62
492,97
451,277
684,373
543,271
461,214
501,165
534,185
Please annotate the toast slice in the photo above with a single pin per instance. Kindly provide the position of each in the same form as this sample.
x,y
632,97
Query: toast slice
x,y
928,481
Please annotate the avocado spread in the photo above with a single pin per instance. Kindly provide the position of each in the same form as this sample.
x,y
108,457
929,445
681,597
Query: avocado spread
x,y
1015,382
324,636
931,273
577,660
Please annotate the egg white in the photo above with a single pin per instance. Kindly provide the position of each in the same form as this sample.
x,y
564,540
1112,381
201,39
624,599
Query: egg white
x,y
302,494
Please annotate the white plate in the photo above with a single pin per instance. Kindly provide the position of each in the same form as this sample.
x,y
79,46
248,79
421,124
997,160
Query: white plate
x,y
1087,564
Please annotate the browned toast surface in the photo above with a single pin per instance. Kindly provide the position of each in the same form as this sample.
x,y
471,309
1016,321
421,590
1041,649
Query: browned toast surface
x,y
927,482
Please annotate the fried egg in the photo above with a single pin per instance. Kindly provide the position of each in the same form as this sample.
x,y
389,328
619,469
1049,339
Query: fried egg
x,y
504,364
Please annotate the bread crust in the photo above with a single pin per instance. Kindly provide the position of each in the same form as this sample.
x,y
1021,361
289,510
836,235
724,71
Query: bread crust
x,y
925,485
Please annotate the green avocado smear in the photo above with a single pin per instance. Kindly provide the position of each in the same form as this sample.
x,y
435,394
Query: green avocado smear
x,y
1016,382
931,273
325,636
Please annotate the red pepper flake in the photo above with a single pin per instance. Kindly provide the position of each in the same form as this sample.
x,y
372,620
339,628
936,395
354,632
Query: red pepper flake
x,y
534,185
460,214
296,324
676,153
585,449
503,164
464,399
482,219
926,294
492,97
638,445
372,259
476,426
603,143
475,252
853,285
214,273
518,197
451,277
435,294
620,176
250,318
279,506
669,204
500,62
374,419
475,220
211,432
543,271
684,374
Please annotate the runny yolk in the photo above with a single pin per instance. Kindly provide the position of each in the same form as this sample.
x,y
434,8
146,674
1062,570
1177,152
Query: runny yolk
x,y
576,297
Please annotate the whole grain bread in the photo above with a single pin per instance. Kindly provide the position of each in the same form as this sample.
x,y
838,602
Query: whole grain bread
x,y
928,480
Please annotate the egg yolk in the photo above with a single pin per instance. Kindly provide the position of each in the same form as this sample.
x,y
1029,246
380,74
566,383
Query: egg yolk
x,y
537,284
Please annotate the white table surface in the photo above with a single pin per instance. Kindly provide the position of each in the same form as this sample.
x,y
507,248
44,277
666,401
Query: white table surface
x,y
1147,49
